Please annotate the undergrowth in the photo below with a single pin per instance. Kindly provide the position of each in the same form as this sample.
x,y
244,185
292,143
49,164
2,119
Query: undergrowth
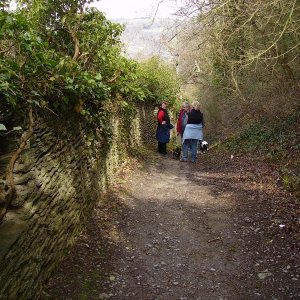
x,y
277,143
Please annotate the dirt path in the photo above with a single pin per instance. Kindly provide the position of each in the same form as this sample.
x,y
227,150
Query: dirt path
x,y
172,230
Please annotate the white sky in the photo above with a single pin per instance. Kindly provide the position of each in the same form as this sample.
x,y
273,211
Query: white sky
x,y
136,8
128,9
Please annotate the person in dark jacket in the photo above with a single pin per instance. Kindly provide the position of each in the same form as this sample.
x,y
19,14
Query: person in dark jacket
x,y
163,129
193,132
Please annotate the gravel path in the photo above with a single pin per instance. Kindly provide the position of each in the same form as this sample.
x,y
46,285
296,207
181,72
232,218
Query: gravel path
x,y
168,230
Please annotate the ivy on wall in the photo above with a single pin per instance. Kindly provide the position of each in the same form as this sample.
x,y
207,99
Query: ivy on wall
x,y
63,58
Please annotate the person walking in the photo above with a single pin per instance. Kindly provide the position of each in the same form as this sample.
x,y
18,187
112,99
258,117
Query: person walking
x,y
163,129
193,132
182,118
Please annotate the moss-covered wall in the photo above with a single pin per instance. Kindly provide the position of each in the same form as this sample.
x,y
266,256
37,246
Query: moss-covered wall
x,y
59,178
148,121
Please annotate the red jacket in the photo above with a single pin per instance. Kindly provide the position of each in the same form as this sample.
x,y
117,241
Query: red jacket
x,y
179,128
161,116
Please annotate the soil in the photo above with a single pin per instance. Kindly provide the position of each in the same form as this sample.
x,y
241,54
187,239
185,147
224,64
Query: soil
x,y
221,228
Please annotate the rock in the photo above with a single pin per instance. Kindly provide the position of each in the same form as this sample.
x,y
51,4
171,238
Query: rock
x,y
2,127
263,275
104,296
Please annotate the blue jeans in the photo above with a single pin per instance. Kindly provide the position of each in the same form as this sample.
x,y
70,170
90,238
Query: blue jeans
x,y
185,147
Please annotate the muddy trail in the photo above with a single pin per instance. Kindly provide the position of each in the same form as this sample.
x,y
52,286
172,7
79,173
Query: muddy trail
x,y
172,230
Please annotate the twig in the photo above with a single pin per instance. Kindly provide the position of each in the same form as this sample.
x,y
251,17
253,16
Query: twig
x,y
116,75
51,111
153,19
214,240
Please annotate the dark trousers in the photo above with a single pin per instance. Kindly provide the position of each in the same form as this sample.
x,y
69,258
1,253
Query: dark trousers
x,y
162,148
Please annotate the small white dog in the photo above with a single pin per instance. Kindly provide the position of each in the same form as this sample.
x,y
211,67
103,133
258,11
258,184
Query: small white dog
x,y
203,146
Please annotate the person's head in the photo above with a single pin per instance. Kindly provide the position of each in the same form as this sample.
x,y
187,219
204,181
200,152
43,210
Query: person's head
x,y
186,106
196,105
164,105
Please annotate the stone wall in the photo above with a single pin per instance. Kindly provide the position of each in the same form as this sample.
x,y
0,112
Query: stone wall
x,y
59,178
148,121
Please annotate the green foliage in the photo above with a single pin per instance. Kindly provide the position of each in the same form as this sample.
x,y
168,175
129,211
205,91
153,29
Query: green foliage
x,y
33,73
66,58
274,142
159,80
277,143
291,181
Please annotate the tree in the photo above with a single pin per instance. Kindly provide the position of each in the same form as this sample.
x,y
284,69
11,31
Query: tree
x,y
159,80
246,52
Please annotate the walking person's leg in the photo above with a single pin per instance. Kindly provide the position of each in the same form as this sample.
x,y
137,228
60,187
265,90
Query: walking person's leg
x,y
159,147
194,150
164,148
185,148
199,147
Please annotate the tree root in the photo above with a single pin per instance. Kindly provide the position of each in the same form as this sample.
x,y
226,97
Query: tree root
x,y
11,194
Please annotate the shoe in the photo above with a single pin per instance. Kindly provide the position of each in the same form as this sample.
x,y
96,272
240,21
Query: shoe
x,y
163,154
183,160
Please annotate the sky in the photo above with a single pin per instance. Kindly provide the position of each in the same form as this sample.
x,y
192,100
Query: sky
x,y
142,41
139,39
128,9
